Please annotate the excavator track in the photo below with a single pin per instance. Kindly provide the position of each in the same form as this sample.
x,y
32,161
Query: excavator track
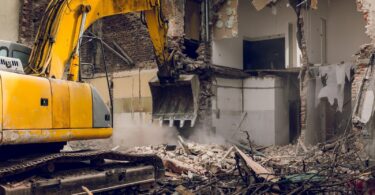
x,y
123,170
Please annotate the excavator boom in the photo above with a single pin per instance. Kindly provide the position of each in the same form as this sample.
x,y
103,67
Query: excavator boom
x,y
57,47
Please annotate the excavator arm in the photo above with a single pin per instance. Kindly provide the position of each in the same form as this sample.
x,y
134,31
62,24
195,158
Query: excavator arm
x,y
57,42
175,99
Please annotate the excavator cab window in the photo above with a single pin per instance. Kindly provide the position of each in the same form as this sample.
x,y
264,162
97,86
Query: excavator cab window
x,y
24,57
4,52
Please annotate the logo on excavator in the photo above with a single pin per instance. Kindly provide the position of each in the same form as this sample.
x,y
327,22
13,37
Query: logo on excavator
x,y
11,65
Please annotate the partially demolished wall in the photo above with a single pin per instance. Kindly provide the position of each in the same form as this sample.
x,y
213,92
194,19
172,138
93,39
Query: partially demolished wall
x,y
368,9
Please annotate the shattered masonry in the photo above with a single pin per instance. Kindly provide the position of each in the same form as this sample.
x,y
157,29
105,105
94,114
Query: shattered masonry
x,y
368,9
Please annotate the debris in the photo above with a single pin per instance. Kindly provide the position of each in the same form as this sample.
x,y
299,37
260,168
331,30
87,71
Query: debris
x,y
115,148
302,145
181,167
207,167
183,191
229,151
87,190
339,166
184,146
257,168
170,147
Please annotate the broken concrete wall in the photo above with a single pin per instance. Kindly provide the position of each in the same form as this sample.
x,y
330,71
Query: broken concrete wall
x,y
329,40
256,25
335,42
226,25
367,7
175,12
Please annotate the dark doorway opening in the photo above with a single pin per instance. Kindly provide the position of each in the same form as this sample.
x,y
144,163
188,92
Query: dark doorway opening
x,y
264,54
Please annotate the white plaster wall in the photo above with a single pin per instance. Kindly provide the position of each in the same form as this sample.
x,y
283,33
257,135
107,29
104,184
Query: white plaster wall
x,y
9,19
254,25
228,52
267,106
227,106
345,31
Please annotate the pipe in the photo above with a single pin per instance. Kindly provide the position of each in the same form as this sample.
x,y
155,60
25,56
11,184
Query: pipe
x,y
207,21
81,31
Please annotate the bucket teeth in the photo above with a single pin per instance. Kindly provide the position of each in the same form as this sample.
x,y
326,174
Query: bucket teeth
x,y
171,122
182,123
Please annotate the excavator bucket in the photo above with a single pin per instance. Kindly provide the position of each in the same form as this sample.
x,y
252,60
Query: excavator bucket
x,y
175,103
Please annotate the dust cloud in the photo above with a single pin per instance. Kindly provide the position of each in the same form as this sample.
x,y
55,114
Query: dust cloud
x,y
203,136
132,130
136,130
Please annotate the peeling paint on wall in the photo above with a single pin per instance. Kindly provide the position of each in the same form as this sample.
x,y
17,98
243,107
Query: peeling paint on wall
x,y
226,25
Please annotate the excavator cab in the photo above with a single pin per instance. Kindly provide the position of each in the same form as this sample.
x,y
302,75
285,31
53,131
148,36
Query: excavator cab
x,y
175,103
10,53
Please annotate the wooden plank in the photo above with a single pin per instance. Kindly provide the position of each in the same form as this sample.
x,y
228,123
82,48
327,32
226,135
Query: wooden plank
x,y
256,167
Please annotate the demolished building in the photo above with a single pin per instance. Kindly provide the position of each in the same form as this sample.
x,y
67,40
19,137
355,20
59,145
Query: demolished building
x,y
226,38
272,73
251,70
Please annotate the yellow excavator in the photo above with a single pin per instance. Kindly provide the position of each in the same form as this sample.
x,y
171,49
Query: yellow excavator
x,y
47,104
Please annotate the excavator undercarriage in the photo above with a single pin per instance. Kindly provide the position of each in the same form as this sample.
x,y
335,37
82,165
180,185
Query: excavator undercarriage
x,y
75,172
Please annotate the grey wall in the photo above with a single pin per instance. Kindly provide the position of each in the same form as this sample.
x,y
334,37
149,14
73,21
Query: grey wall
x,y
227,106
345,31
264,101
9,19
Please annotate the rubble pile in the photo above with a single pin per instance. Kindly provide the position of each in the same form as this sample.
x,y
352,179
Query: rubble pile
x,y
194,168
338,166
